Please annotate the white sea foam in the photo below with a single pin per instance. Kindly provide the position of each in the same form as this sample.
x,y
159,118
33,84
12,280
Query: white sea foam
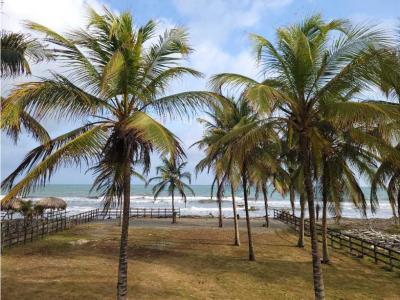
x,y
205,206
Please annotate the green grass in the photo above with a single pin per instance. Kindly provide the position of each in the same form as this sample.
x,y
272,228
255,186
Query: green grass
x,y
184,262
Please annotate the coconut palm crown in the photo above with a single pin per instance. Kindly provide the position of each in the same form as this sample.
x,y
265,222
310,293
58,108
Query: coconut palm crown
x,y
17,50
172,178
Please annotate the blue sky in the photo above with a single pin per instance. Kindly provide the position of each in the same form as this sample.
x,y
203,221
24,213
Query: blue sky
x,y
218,29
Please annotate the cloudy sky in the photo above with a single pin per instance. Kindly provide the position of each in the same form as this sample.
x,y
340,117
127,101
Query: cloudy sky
x,y
219,31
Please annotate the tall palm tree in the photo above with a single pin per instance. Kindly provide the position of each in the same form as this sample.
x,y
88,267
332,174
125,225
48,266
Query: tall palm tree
x,y
17,50
171,178
116,75
243,144
310,72
221,119
339,179
261,177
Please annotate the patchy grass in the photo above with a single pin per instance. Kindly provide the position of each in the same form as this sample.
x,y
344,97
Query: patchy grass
x,y
193,260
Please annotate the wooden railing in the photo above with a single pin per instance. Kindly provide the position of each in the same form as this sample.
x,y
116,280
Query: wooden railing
x,y
143,213
21,231
353,244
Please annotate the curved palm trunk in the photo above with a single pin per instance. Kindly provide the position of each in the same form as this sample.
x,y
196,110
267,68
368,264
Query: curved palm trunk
x,y
395,218
219,200
292,197
398,205
173,208
122,287
300,242
319,289
235,220
325,182
252,257
265,194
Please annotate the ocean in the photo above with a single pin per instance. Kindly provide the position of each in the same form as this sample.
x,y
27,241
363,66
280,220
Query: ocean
x,y
79,199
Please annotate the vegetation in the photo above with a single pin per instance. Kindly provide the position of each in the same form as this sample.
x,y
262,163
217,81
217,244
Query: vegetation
x,y
307,124
116,74
171,178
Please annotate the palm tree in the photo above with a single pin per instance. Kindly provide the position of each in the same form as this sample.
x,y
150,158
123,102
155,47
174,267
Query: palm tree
x,y
17,50
309,73
171,178
339,180
223,118
243,144
260,177
116,75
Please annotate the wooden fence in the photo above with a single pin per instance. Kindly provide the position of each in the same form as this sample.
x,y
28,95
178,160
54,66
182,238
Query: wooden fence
x,y
20,231
143,213
353,244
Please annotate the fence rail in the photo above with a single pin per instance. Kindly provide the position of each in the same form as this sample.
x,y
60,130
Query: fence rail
x,y
143,213
353,244
21,231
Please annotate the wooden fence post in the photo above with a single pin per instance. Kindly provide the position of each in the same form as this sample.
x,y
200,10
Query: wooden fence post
x,y
32,231
350,245
390,260
10,235
362,248
375,255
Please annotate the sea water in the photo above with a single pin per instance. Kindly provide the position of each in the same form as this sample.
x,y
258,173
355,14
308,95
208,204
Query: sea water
x,y
80,198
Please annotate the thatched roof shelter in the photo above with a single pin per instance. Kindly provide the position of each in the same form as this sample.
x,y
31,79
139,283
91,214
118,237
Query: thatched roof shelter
x,y
15,204
52,203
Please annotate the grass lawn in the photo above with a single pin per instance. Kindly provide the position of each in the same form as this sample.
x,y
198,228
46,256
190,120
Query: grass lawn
x,y
191,260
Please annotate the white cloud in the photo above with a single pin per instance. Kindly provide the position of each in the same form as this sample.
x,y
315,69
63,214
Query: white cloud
x,y
215,20
59,15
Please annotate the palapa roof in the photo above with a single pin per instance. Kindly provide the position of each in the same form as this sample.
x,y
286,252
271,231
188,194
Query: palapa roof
x,y
14,204
52,202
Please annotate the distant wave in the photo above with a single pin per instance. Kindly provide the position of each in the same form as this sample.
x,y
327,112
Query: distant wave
x,y
205,206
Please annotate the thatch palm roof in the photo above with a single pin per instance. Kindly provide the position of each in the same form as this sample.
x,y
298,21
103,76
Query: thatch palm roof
x,y
52,203
15,204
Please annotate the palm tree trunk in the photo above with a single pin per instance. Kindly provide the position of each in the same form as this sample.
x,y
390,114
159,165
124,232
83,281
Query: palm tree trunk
x,y
173,208
235,220
300,242
325,182
120,213
398,206
252,257
292,198
265,194
319,289
219,200
122,287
